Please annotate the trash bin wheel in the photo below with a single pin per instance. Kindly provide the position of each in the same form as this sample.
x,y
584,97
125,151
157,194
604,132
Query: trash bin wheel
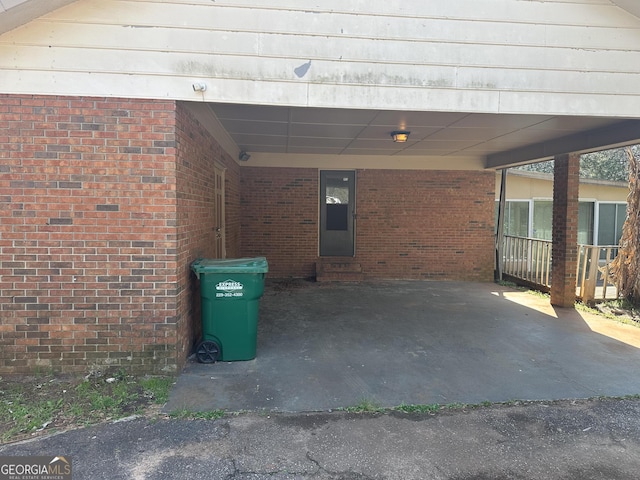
x,y
208,352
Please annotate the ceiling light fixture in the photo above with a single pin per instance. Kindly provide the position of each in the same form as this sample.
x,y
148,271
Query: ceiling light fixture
x,y
400,136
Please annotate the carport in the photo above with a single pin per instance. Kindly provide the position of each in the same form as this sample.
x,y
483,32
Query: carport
x,y
327,346
159,132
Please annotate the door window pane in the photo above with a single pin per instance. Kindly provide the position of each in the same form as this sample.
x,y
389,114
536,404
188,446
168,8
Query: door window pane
x,y
337,202
337,190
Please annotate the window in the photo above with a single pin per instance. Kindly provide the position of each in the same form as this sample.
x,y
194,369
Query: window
x,y
542,219
516,218
585,223
611,218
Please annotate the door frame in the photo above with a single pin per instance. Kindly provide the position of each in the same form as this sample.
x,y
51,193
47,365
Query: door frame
x,y
219,196
329,240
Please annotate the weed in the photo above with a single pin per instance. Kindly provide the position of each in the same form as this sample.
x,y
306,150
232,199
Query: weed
x,y
157,388
33,404
455,406
365,406
21,414
618,310
538,293
630,397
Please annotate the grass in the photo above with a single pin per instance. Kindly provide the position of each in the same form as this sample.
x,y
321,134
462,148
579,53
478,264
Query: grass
x,y
46,403
618,310
368,406
364,406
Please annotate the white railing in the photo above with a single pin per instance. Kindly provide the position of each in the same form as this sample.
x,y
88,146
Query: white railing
x,y
529,259
594,280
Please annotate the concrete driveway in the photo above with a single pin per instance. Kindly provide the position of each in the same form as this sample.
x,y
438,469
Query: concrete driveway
x,y
324,346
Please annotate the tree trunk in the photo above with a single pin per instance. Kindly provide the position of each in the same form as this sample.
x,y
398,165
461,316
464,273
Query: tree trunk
x,y
625,268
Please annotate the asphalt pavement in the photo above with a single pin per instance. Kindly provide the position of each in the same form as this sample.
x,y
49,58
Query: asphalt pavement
x,y
570,440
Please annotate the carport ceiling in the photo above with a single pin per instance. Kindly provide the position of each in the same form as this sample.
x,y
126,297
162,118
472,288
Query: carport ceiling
x,y
498,139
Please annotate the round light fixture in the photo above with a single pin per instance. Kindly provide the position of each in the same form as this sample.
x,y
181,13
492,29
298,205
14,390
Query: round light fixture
x,y
400,136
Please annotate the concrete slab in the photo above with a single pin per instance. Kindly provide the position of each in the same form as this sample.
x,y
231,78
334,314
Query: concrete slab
x,y
324,346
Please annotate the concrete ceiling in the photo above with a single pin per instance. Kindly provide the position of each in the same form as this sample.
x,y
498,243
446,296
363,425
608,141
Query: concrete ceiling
x,y
498,140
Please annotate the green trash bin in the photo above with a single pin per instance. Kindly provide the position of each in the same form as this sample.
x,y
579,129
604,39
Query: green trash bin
x,y
230,290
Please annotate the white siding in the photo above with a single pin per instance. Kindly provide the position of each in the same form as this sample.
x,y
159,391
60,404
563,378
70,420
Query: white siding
x,y
514,56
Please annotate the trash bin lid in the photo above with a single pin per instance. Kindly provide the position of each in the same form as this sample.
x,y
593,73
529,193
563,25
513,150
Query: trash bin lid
x,y
230,265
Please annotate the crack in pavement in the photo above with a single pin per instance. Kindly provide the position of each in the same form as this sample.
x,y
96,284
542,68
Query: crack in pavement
x,y
345,475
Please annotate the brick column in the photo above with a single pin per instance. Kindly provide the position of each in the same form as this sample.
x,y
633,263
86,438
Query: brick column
x,y
565,230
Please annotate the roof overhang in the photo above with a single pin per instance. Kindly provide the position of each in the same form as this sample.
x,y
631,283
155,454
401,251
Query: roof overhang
x,y
479,138
618,134
631,6
14,13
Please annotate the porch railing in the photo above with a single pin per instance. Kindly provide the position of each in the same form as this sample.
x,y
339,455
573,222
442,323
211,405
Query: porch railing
x,y
529,259
594,280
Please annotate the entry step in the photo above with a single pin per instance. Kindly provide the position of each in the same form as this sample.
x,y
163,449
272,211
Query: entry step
x,y
338,269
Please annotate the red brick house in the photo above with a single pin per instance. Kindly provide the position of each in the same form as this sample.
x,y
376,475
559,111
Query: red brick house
x,y
137,136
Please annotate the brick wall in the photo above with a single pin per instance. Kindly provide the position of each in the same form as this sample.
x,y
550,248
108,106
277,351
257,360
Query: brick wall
x,y
197,154
87,234
425,224
410,224
279,217
105,203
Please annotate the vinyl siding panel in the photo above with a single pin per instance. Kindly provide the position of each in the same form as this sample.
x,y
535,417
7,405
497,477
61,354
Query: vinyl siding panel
x,y
516,56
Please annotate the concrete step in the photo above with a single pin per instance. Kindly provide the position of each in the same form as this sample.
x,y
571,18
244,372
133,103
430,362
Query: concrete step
x,y
338,269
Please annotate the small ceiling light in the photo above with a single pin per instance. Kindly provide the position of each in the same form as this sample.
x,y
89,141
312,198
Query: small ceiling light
x,y
244,156
400,136
199,87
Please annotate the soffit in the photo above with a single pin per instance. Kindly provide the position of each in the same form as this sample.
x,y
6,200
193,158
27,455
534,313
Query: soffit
x,y
496,139
14,13
631,6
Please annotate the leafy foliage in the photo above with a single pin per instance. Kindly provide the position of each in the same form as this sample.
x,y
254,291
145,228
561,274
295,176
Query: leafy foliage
x,y
610,165
541,167
606,165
